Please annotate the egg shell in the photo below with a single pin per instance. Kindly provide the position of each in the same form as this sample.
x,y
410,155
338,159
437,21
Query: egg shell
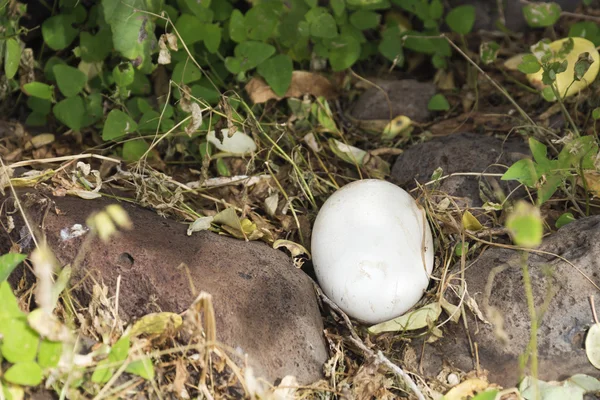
x,y
372,250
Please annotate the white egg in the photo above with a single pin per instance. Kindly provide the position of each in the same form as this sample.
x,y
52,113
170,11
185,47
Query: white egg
x,y
372,250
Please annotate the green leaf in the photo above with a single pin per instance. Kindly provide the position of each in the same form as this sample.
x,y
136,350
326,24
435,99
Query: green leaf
x,y
8,304
49,67
237,29
438,103
132,29
8,262
488,51
69,80
71,112
261,22
522,171
58,32
40,90
592,345
120,349
233,65
123,74
186,72
338,7
103,372
40,106
461,19
539,15
133,150
583,63
344,52
529,64
187,26
211,35
564,219
324,26
251,54
277,71
149,121
12,58
539,152
417,319
436,9
143,367
19,342
596,113
117,125
26,373
586,29
548,188
525,225
49,353
362,19
201,10
95,48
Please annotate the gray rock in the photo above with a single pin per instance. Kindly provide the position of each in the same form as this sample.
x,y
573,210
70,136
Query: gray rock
x,y
463,152
487,13
264,306
562,331
406,97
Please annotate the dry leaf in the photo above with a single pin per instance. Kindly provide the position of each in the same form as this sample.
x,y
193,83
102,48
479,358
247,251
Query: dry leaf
x,y
303,82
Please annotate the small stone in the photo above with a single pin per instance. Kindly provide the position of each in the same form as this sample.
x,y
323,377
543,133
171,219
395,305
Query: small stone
x,y
406,97
461,153
264,306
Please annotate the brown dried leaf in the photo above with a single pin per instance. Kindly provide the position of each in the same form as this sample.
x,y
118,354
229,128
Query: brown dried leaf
x,y
303,83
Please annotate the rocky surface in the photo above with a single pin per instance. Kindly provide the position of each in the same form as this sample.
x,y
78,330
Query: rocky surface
x,y
264,306
495,281
406,97
487,12
463,152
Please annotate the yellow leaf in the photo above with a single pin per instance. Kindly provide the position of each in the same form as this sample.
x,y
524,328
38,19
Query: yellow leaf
x,y
417,319
466,389
471,223
156,323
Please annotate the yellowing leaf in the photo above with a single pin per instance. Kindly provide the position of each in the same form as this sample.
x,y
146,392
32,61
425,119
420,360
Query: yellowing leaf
x,y
466,389
294,248
471,223
416,319
156,324
592,345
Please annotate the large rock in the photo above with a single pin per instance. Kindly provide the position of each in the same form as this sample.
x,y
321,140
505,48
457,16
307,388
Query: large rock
x,y
264,306
495,281
460,153
406,97
487,12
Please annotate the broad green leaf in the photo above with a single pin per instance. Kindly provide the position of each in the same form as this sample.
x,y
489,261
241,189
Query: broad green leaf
x,y
123,74
525,225
369,4
69,80
117,125
12,58
539,152
58,31
186,72
201,9
141,84
337,6
221,9
277,71
596,113
362,19
187,26
94,109
36,119
237,28
522,171
49,67
38,105
39,89
324,26
26,373
260,22
461,19
133,150
8,262
49,353
417,319
436,9
120,349
132,30
438,103
539,15
251,54
9,307
529,64
95,48
211,35
71,112
564,219
391,45
143,367
418,41
19,342
344,52
548,188
233,65
586,29
149,121
104,371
